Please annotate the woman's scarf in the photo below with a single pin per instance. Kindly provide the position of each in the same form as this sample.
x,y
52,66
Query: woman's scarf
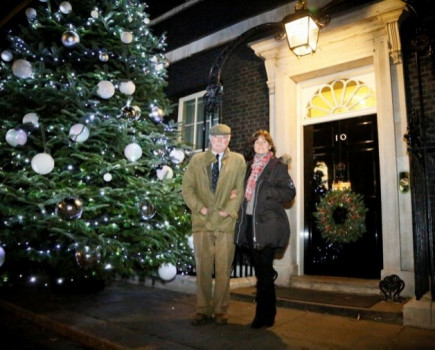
x,y
256,168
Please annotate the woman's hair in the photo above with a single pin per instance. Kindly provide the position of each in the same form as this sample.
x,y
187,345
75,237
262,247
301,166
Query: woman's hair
x,y
254,137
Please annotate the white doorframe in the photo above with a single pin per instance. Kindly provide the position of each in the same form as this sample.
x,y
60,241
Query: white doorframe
x,y
353,41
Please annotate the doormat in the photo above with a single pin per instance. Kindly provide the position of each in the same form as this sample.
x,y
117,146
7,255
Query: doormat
x,y
332,298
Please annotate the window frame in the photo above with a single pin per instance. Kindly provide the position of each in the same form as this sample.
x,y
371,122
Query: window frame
x,y
196,97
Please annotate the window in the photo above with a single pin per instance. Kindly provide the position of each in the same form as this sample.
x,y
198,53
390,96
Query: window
x,y
340,96
191,119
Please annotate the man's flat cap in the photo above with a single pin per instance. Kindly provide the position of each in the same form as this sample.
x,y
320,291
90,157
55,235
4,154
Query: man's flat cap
x,y
220,129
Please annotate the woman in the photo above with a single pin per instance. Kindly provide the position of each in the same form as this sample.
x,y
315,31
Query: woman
x,y
263,225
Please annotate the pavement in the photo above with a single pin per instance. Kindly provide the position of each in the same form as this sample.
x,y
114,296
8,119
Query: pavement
x,y
147,316
18,333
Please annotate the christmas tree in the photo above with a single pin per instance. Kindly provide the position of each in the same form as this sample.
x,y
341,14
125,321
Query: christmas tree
x,y
90,169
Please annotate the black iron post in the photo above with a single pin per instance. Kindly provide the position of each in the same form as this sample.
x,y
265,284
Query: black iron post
x,y
424,249
214,90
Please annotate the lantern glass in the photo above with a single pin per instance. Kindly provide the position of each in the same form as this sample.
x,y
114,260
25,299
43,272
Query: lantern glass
x,y
302,35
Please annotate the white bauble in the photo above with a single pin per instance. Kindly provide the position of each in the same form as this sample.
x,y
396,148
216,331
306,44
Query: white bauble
x,y
167,272
11,137
2,256
105,89
21,137
147,21
107,177
133,152
16,137
190,242
127,87
22,69
31,13
126,37
7,56
42,163
31,118
94,14
165,172
177,156
65,7
79,133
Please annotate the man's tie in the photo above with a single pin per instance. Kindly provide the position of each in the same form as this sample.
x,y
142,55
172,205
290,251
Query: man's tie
x,y
215,173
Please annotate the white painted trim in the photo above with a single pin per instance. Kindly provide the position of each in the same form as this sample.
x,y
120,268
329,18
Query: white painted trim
x,y
307,88
195,96
174,11
354,41
227,34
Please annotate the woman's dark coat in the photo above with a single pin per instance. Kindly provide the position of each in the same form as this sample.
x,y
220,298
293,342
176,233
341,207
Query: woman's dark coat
x,y
274,189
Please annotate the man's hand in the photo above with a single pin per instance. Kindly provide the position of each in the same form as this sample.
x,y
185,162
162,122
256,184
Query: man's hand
x,y
204,211
223,213
233,194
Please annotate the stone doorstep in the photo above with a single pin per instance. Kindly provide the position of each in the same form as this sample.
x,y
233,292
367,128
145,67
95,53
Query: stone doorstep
x,y
386,312
336,284
416,313
187,284
420,313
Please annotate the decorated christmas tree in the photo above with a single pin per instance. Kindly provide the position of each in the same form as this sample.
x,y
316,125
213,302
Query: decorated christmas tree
x,y
90,167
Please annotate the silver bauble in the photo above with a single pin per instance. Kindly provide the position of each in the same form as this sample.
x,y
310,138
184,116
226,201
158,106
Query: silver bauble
x,y
129,112
70,208
87,258
156,114
104,56
70,38
138,111
147,210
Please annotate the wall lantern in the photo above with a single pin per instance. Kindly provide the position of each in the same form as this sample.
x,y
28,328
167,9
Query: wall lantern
x,y
302,30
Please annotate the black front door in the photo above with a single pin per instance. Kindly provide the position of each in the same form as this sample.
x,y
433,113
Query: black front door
x,y
345,150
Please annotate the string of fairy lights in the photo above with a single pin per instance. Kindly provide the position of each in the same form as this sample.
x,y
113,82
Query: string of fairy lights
x,y
29,67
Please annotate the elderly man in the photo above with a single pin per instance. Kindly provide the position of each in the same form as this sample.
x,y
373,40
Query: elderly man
x,y
213,190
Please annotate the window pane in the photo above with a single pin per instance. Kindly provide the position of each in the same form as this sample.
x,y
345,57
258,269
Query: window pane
x,y
199,137
340,96
189,112
192,118
188,135
214,120
200,110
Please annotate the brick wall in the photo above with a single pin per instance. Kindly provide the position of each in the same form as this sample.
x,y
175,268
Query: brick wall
x,y
423,104
190,75
245,106
246,98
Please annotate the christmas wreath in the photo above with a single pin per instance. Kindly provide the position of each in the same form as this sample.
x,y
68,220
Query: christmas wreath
x,y
340,216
